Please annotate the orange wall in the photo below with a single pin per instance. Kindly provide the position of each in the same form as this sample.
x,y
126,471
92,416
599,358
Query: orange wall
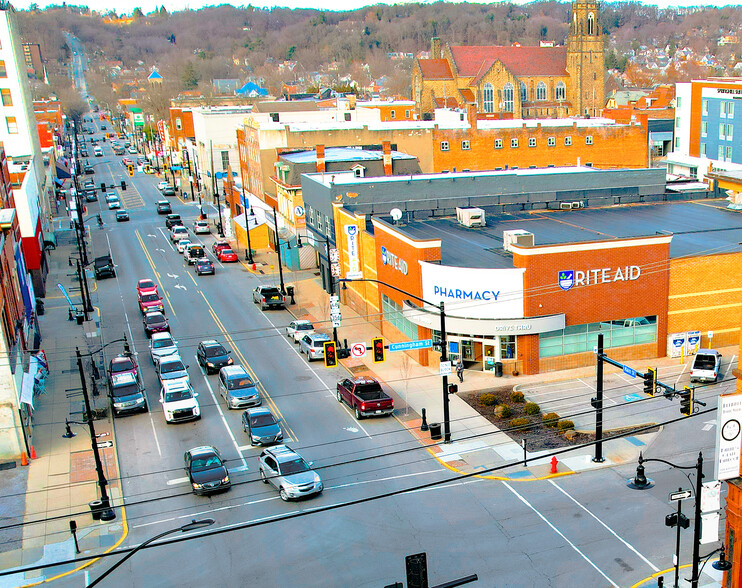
x,y
186,120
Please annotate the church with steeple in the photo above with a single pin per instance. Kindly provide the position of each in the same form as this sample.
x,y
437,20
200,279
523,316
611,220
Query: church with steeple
x,y
517,81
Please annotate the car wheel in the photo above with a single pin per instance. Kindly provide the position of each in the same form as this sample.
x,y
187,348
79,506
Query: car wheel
x,y
359,416
262,477
340,398
252,443
284,496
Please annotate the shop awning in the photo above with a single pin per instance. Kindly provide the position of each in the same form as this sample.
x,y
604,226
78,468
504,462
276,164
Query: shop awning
x,y
62,171
660,136
50,240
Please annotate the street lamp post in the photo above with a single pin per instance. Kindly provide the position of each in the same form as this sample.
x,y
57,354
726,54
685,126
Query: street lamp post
x,y
641,482
192,526
444,346
278,250
248,252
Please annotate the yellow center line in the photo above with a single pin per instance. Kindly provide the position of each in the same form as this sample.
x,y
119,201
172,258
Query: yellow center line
x,y
152,265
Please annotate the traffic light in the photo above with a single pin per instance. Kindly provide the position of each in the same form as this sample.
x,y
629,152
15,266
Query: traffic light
x,y
686,401
650,381
331,358
131,170
123,185
453,388
102,186
378,349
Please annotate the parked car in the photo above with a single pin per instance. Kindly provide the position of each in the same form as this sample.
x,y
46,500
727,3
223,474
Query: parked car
x,y
268,297
182,244
219,245
162,185
122,364
237,387
88,169
179,402
132,150
155,322
212,356
162,345
172,369
285,469
169,191
365,396
227,256
104,267
163,207
177,233
261,426
126,162
206,470
113,201
146,286
97,150
89,185
201,227
90,196
204,266
149,302
706,366
173,220
298,328
193,253
313,345
122,215
127,394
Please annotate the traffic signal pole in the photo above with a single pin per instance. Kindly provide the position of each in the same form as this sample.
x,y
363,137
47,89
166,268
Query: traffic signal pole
x,y
598,404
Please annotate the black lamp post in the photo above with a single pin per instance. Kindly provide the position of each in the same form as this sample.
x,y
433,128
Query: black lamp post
x,y
192,526
444,347
278,250
332,280
641,482
220,227
248,251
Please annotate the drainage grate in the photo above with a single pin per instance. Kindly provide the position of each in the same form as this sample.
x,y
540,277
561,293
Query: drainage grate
x,y
8,465
355,369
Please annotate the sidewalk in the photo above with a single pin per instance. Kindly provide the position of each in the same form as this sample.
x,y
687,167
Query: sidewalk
x,y
62,479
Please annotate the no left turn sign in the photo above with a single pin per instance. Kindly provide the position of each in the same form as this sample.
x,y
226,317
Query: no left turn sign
x,y
358,350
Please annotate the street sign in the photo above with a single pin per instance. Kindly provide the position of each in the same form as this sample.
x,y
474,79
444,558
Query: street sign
x,y
335,323
629,371
420,344
354,275
334,299
358,350
631,397
445,368
335,270
680,495
104,444
334,255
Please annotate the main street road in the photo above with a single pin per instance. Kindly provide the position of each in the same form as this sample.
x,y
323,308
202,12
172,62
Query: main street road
x,y
584,530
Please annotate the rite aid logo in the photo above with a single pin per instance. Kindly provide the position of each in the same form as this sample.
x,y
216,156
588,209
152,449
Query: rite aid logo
x,y
388,258
606,275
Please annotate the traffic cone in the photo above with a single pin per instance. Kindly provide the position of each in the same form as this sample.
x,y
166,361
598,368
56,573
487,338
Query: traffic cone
x,y
33,453
24,459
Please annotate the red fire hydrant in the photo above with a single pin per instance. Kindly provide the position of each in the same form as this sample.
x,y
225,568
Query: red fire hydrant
x,y
554,463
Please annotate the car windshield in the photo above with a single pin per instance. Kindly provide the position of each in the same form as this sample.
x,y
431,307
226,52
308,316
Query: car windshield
x,y
295,466
262,420
122,365
226,251
146,285
153,319
215,351
172,366
204,262
150,297
160,343
239,382
304,327
123,391
178,395
206,462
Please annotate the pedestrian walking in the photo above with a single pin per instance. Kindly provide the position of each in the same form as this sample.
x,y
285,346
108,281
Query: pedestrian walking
x,y
460,370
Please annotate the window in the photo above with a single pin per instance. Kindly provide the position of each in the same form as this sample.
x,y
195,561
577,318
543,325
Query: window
x,y
729,153
488,98
541,91
551,141
677,142
225,160
532,142
582,338
720,153
513,143
704,129
393,314
523,92
677,102
703,149
392,114
730,129
3,71
310,215
407,114
677,122
358,171
591,24
722,128
7,100
508,97
730,109
507,346
465,145
567,141
589,140
704,107
444,145
178,124
561,91
12,124
320,227
498,143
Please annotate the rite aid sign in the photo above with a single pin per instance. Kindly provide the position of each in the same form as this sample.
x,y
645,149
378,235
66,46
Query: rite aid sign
x,y
388,258
605,275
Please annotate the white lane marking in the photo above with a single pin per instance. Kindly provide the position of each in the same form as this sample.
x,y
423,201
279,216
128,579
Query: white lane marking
x,y
558,532
167,238
177,481
362,482
611,531
729,367
680,375
245,447
224,420
154,431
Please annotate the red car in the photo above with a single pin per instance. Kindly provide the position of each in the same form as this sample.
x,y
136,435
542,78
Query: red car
x,y
123,364
150,301
219,245
146,286
126,162
227,256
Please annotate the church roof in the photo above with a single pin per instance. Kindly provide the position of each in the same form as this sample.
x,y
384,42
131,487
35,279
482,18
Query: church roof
x,y
521,61
154,75
435,69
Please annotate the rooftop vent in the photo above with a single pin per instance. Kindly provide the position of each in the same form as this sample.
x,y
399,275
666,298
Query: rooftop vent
x,y
517,237
470,216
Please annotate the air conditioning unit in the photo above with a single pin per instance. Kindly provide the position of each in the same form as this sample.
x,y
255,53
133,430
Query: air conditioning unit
x,y
578,204
565,205
470,216
517,237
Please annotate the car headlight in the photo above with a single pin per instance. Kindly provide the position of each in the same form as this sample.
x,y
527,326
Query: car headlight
x,y
317,479
230,361
279,436
225,479
196,486
169,415
208,363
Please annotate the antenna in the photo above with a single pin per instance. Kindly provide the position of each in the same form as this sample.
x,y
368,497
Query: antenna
x,y
396,214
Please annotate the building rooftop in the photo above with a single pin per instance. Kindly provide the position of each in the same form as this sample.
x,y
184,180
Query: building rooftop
x,y
699,228
342,154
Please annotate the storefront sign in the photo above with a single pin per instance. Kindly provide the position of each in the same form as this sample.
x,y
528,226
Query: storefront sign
x,y
354,263
728,436
388,258
606,275
474,292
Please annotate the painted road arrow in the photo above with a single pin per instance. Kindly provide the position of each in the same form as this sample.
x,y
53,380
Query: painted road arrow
x,y
180,287
175,277
708,425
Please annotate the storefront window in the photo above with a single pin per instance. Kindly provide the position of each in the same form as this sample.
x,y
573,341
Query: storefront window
x,y
393,314
507,346
581,338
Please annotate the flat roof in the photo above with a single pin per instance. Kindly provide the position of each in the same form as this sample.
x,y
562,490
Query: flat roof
x,y
699,228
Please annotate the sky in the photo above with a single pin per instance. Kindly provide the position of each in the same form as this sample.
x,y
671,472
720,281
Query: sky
x,y
127,6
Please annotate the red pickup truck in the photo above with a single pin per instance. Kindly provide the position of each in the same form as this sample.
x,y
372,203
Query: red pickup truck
x,y
365,396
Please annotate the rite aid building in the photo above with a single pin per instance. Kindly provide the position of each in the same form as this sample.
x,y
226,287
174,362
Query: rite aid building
x,y
527,281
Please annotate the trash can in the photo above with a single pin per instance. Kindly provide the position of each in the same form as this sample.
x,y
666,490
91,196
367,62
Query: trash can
x,y
498,369
80,316
39,306
290,293
435,431
96,508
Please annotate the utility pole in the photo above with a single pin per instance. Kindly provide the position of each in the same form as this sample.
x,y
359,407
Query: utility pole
x,y
87,306
278,250
444,357
597,403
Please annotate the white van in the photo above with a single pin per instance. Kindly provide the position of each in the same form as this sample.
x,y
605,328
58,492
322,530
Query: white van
x,y
98,151
194,252
706,366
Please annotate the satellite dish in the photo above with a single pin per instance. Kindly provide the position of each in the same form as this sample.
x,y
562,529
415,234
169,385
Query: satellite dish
x,y
396,214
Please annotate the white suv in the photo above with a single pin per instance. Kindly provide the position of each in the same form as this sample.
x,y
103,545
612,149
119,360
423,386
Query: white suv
x,y
179,402
177,233
162,345
289,473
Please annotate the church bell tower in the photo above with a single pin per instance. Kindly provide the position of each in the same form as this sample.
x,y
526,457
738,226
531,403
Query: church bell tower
x,y
585,59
